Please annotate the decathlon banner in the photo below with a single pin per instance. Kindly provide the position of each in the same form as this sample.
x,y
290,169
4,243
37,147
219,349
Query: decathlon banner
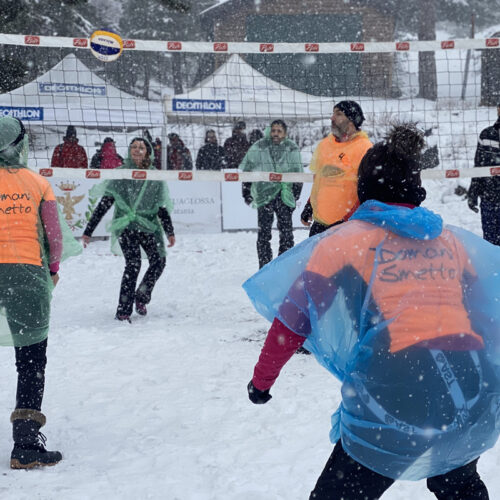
x,y
205,105
22,112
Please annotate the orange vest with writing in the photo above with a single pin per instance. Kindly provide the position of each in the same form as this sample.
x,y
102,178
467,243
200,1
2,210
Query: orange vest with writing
x,y
21,193
418,283
335,165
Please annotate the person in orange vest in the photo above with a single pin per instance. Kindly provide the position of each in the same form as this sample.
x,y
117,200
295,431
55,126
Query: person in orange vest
x,y
403,310
335,165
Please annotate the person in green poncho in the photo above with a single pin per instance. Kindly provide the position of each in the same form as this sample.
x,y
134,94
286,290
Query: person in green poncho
x,y
273,153
33,241
142,209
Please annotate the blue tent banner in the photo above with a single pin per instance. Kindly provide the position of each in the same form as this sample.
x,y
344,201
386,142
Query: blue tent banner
x,y
23,113
204,105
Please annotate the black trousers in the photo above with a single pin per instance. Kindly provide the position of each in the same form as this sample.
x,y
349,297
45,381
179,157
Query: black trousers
x,y
345,479
490,221
30,363
131,242
265,217
317,227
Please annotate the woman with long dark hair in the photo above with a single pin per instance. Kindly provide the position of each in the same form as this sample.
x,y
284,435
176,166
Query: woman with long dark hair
x,y
142,211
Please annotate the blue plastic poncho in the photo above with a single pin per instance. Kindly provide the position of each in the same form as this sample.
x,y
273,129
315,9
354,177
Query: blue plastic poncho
x,y
409,412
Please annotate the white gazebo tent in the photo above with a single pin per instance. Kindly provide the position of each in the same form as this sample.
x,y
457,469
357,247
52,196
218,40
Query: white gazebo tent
x,y
236,89
70,93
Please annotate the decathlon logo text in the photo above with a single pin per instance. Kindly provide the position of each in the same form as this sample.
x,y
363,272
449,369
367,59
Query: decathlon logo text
x,y
33,114
73,88
205,105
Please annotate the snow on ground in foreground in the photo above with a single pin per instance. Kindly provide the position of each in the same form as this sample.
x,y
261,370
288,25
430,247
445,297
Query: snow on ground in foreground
x,y
158,409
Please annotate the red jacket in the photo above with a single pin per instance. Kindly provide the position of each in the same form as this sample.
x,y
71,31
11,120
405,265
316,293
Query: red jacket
x,y
69,154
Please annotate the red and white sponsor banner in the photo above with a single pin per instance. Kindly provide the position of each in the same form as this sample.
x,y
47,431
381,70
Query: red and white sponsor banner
x,y
256,47
187,176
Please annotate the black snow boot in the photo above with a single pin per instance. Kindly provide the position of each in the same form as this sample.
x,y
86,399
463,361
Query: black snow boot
x,y
29,443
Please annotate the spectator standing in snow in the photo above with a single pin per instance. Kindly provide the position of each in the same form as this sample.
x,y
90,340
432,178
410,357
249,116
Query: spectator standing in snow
x,y
142,209
275,153
69,154
404,312
31,247
488,188
157,151
236,146
106,156
211,155
335,165
178,155
254,136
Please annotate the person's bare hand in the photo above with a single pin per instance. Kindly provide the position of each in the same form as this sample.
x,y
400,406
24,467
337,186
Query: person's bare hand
x,y
171,241
55,278
86,240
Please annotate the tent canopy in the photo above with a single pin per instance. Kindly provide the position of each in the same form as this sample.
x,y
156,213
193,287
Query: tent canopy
x,y
236,89
71,93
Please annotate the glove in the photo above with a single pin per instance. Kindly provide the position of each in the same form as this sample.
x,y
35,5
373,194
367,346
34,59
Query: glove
x,y
307,213
248,200
472,204
257,397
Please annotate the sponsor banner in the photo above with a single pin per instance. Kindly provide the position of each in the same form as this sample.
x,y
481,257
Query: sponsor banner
x,y
204,105
197,205
236,214
71,88
23,113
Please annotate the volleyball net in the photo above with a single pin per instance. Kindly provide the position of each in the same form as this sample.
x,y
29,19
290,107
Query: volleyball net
x,y
159,88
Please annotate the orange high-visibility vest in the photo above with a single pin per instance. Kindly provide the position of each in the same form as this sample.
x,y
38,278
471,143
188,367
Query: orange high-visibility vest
x,y
335,165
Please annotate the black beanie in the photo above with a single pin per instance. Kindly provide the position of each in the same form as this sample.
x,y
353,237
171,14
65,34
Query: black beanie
x,y
390,171
353,111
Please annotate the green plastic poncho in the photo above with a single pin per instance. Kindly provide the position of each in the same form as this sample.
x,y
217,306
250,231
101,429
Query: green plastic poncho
x,y
25,289
136,204
264,156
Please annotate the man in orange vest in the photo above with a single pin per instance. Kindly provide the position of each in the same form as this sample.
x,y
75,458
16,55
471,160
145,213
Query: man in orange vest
x,y
335,166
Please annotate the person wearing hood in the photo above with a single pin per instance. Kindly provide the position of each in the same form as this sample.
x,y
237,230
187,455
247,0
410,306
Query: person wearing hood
x,y
335,165
211,155
142,209
404,312
178,155
488,188
236,146
33,241
274,153
106,157
69,154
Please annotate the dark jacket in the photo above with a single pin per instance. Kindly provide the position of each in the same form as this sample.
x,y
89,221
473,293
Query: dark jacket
x,y
69,154
210,157
487,154
235,148
179,157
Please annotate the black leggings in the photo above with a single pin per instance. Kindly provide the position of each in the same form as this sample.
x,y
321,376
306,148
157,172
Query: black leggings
x,y
131,243
30,363
345,479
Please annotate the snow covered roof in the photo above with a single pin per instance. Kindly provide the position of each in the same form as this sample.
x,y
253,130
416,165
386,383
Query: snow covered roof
x,y
71,93
237,89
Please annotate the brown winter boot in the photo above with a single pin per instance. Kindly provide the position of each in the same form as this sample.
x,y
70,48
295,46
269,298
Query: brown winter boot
x,y
29,443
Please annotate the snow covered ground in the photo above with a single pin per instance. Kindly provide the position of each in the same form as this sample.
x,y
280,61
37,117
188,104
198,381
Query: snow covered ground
x,y
158,409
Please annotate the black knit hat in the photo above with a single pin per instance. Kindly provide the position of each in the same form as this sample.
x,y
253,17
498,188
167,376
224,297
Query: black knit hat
x,y
70,132
390,170
353,111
